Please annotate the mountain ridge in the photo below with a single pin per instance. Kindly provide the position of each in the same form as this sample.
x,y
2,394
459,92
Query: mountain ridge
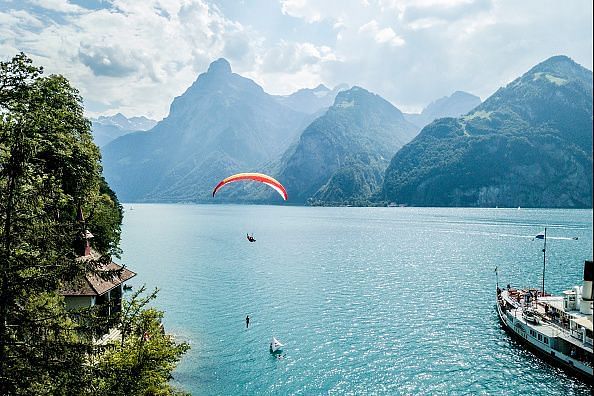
x,y
342,155
108,128
223,123
529,145
455,105
311,100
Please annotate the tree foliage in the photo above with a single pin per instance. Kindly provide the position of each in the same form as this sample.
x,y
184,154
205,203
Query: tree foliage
x,y
48,167
144,359
49,171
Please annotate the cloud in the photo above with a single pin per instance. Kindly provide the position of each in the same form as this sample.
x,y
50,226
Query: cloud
x,y
58,6
237,47
382,35
136,56
288,66
289,57
426,23
439,46
317,11
301,9
451,10
110,61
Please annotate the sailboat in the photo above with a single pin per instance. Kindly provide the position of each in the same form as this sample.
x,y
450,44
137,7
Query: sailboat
x,y
275,346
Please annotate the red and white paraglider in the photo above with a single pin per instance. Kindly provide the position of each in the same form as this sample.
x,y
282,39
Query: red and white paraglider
x,y
275,345
259,177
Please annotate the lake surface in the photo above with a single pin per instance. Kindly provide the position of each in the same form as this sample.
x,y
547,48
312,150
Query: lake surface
x,y
366,300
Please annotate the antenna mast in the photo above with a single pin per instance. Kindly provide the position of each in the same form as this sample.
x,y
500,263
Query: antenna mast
x,y
544,260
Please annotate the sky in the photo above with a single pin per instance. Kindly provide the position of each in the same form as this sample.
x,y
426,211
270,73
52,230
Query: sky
x,y
134,57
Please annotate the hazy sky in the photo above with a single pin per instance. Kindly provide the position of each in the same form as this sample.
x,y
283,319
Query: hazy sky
x,y
135,56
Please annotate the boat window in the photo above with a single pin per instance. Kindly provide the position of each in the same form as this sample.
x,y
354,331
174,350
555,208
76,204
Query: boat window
x,y
540,337
546,340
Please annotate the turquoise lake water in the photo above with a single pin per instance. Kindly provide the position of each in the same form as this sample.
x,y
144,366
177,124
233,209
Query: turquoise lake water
x,y
366,300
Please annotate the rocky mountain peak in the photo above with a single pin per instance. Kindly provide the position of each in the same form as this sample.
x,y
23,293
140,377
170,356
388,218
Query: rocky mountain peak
x,y
364,100
321,87
220,66
351,94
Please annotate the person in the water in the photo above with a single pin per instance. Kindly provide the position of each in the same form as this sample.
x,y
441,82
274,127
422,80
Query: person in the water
x,y
247,321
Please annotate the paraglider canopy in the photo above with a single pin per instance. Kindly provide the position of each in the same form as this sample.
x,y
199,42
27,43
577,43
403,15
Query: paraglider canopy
x,y
259,177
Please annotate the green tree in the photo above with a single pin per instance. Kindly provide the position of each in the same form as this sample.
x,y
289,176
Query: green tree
x,y
142,362
49,172
49,167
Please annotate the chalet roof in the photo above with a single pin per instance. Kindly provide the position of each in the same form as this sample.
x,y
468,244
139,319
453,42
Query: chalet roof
x,y
93,284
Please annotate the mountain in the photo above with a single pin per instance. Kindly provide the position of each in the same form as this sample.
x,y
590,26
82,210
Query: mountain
x,y
341,156
529,145
222,124
455,105
133,124
309,100
107,128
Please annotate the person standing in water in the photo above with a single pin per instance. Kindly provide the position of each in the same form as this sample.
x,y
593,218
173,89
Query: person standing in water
x,y
247,321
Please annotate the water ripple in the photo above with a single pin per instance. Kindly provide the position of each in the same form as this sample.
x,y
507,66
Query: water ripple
x,y
366,300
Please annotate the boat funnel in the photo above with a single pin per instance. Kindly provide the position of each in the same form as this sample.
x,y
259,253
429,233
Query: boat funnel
x,y
586,301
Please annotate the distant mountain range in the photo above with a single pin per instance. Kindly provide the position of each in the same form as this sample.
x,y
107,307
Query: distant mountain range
x,y
225,123
107,128
529,145
313,100
341,157
222,124
455,105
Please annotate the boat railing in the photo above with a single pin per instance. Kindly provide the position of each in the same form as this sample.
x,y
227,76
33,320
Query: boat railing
x,y
558,327
576,334
558,330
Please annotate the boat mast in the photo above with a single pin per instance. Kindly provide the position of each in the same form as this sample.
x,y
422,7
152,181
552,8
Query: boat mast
x,y
544,260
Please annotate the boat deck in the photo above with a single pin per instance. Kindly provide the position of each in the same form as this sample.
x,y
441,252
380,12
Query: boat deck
x,y
547,326
547,333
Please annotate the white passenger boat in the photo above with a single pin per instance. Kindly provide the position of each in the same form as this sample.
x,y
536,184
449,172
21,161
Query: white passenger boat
x,y
558,328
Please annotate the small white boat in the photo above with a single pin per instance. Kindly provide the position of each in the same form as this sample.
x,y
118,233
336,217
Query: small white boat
x,y
275,345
